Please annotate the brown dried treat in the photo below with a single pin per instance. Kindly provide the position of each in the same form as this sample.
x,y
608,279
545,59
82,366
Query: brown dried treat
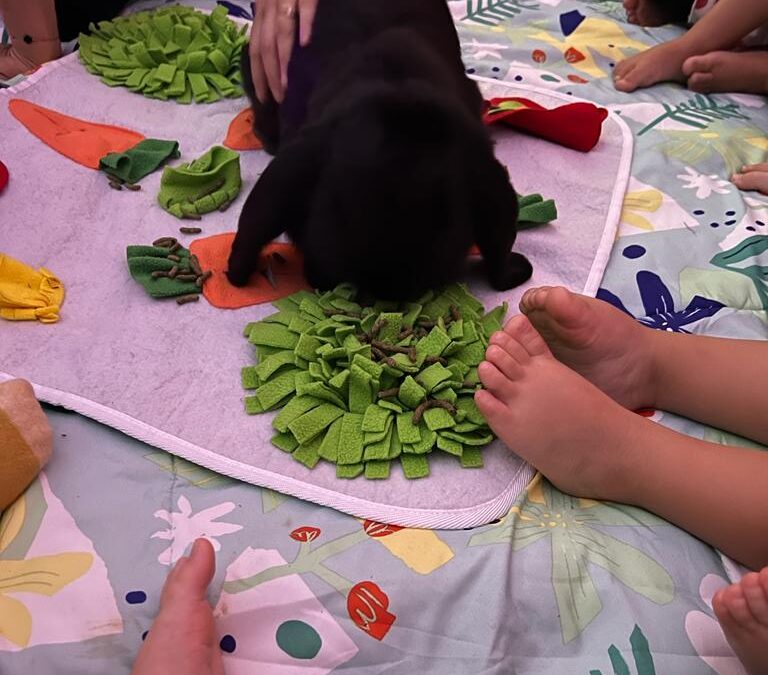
x,y
174,247
202,278
343,312
406,332
184,299
132,187
115,186
435,359
191,216
455,313
164,242
186,277
208,191
426,324
225,206
190,230
174,271
432,403
395,349
377,326
173,257
159,273
388,393
194,263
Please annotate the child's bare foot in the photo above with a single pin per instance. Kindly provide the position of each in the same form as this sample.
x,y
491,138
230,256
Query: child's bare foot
x,y
742,610
596,340
579,438
182,639
645,13
745,72
662,63
752,177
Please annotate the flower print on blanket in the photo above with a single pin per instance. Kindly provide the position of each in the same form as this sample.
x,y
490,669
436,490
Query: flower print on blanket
x,y
185,527
575,529
660,311
53,586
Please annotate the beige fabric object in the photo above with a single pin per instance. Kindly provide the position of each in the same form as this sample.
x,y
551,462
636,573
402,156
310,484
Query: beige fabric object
x,y
26,439
37,20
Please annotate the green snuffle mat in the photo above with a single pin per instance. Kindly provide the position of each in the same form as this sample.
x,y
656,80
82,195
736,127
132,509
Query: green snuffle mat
x,y
362,386
169,53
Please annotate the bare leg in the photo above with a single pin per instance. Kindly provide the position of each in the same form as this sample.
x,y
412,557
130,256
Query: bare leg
x,y
742,610
656,13
728,22
752,177
639,366
34,36
590,446
728,71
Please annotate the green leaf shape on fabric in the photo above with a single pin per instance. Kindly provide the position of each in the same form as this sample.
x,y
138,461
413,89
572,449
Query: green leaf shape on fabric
x,y
641,654
350,377
752,249
699,112
193,474
493,12
203,185
170,53
535,210
570,523
143,260
140,161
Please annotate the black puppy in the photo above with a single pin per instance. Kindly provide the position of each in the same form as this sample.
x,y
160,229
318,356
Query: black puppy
x,y
384,174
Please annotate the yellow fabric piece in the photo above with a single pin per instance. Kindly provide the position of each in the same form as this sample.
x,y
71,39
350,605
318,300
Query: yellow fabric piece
x,y
27,294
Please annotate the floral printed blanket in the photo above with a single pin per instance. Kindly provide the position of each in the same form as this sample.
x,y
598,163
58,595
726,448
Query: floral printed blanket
x,y
558,585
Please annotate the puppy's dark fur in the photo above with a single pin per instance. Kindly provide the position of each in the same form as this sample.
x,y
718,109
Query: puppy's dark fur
x,y
384,174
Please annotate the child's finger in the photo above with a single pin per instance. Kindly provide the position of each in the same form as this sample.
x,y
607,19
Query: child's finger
x,y
754,180
754,167
191,576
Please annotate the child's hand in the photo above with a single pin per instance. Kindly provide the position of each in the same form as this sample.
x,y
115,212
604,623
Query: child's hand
x,y
183,637
752,177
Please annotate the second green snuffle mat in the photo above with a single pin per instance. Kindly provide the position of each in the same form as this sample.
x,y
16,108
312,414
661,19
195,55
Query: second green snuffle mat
x,y
173,53
362,385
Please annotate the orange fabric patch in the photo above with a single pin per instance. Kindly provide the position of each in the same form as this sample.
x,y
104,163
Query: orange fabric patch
x,y
213,253
83,142
240,134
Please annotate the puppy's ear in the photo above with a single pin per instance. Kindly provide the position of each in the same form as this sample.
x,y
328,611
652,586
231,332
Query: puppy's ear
x,y
279,201
494,212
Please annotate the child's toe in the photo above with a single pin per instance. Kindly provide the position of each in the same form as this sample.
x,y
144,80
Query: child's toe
x,y
756,597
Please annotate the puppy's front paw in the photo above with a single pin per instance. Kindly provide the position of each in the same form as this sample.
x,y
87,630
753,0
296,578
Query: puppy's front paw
x,y
239,272
516,270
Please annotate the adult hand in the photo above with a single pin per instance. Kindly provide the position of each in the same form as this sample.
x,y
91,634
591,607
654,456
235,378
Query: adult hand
x,y
271,42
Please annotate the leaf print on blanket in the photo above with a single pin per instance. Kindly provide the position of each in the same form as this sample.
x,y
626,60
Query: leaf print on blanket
x,y
568,522
748,251
493,12
736,146
641,655
660,312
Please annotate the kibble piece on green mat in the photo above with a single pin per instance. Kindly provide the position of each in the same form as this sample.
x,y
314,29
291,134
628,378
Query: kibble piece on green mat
x,y
352,378
144,260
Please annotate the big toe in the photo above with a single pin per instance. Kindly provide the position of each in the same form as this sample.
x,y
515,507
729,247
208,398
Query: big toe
x,y
520,330
756,594
697,64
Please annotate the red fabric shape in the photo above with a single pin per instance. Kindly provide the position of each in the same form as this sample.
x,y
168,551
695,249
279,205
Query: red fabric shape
x,y
3,176
367,606
574,125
